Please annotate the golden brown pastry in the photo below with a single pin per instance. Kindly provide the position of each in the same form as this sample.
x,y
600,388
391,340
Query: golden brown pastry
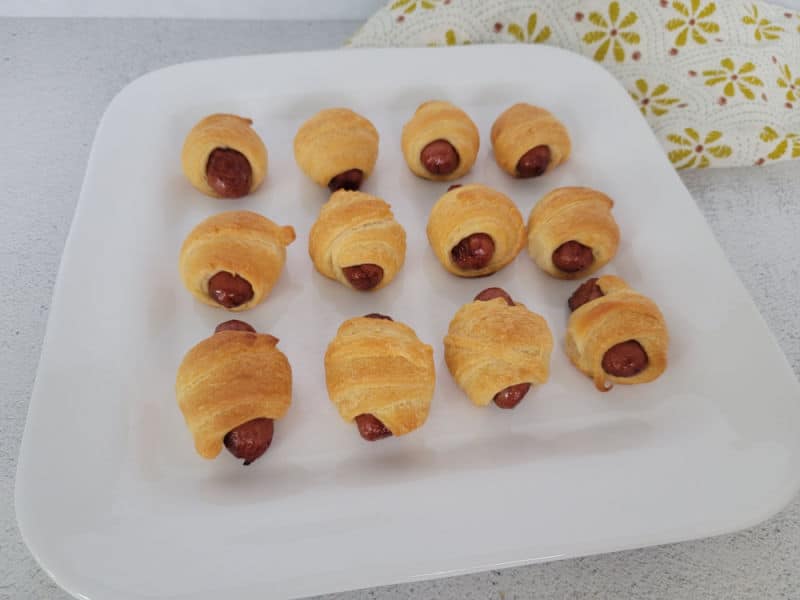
x,y
233,259
440,142
475,230
496,349
571,232
337,148
380,375
230,388
529,141
357,241
223,157
615,334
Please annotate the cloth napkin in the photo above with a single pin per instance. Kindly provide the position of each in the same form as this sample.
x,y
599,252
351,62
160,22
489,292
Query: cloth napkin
x,y
719,83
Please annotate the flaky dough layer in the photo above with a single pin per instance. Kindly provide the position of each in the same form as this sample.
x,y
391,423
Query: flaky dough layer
x,y
572,213
229,379
524,127
222,131
240,242
380,367
491,346
334,141
438,120
471,209
355,228
621,314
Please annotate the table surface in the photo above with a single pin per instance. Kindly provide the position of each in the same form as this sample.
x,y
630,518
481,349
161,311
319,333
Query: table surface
x,y
57,78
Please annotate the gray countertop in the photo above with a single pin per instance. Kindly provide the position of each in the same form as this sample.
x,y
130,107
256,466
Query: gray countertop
x,y
57,76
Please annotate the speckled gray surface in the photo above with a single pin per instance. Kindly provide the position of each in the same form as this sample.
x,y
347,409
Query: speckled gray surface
x,y
57,76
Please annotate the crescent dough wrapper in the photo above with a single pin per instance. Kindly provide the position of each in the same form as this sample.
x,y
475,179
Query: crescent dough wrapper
x,y
334,141
380,367
524,127
229,379
437,120
572,214
491,346
621,314
355,228
240,242
222,131
471,209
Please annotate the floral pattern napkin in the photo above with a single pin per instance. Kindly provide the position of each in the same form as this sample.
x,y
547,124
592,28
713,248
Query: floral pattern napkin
x,y
719,82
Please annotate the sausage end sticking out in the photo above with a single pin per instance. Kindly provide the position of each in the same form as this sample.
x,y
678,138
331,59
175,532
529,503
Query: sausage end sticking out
x,y
586,292
250,440
229,173
492,293
349,180
474,252
364,277
512,395
371,428
229,290
439,157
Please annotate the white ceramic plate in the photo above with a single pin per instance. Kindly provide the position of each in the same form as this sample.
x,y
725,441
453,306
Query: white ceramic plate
x,y
114,502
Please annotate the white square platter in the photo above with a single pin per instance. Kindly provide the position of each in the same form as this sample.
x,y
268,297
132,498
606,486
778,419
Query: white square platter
x,y
110,495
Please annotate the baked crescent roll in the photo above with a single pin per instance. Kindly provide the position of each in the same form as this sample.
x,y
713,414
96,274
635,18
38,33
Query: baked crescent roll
x,y
357,241
529,141
223,157
615,334
381,375
475,230
440,142
233,259
571,232
230,387
337,148
496,349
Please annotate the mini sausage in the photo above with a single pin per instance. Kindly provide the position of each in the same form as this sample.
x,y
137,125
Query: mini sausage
x,y
586,292
378,316
572,257
371,428
625,359
455,186
250,440
473,252
349,180
439,157
363,277
534,162
492,293
230,290
229,173
512,395
234,325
